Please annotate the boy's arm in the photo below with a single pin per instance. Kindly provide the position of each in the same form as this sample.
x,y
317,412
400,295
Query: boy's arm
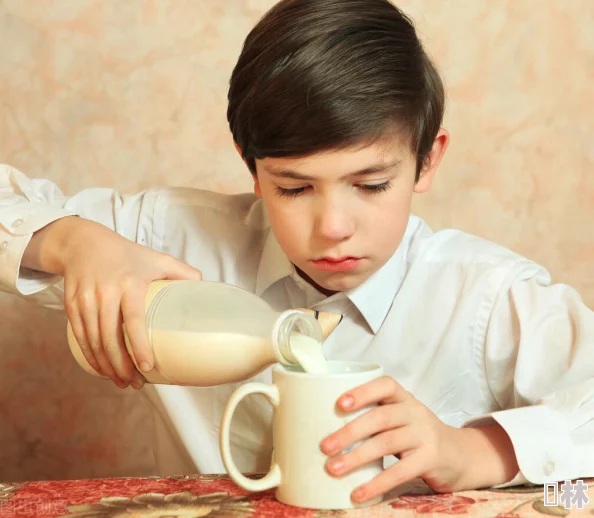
x,y
29,205
539,365
105,271
25,207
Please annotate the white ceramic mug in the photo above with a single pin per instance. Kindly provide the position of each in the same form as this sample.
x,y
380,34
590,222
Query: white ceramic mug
x,y
305,412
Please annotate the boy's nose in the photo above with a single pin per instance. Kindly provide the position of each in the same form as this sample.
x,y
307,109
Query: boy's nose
x,y
335,224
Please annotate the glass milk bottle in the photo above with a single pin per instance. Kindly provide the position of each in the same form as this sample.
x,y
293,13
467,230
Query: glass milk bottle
x,y
209,333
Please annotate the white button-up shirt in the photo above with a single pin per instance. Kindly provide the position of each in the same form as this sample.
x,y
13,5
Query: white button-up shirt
x,y
471,329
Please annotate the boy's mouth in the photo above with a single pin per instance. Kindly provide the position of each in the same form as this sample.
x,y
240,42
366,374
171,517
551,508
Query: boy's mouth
x,y
336,264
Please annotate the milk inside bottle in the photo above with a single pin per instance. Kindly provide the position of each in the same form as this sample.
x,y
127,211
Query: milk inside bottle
x,y
209,333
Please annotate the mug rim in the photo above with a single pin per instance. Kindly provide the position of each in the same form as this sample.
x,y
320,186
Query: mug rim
x,y
368,367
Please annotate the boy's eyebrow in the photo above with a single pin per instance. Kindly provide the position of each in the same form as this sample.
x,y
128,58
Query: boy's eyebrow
x,y
378,168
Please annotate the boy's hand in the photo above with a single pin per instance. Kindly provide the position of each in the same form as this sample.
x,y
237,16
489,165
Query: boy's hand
x,y
105,282
443,456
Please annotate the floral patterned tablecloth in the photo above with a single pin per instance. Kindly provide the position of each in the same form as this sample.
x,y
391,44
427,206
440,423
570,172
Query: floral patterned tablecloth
x,y
216,496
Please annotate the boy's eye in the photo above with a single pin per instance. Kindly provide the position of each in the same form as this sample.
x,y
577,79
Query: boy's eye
x,y
289,193
367,188
373,188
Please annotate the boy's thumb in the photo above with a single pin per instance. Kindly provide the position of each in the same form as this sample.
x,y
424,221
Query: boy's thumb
x,y
181,271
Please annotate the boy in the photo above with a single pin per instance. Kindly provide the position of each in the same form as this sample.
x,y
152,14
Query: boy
x,y
336,110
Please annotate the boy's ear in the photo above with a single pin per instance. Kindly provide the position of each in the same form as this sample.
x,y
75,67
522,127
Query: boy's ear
x,y
432,161
257,190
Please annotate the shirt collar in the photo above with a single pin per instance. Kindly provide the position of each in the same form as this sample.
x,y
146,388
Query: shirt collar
x,y
373,298
274,265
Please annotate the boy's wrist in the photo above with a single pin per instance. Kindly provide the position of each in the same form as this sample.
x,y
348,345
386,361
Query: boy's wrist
x,y
50,245
488,457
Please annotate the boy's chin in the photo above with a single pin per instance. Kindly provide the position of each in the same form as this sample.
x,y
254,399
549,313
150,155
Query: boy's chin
x,y
335,282
344,282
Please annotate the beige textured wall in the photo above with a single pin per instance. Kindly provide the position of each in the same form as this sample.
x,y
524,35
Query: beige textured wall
x,y
133,94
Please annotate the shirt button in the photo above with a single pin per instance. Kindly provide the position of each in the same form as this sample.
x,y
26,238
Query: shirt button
x,y
549,467
17,223
3,245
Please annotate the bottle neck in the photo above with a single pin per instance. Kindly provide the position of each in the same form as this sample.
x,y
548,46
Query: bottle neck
x,y
289,323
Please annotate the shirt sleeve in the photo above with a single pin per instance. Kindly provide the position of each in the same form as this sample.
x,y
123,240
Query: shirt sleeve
x,y
27,205
539,365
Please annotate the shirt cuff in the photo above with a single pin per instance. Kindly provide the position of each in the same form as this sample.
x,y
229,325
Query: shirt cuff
x,y
541,440
17,225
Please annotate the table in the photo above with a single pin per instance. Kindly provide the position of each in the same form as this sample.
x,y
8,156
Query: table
x,y
188,496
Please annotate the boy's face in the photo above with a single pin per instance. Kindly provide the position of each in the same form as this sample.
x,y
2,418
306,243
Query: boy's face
x,y
340,215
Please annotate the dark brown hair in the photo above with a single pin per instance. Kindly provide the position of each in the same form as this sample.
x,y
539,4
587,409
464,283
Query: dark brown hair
x,y
315,75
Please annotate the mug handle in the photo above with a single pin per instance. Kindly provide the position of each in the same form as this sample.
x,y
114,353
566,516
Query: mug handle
x,y
273,477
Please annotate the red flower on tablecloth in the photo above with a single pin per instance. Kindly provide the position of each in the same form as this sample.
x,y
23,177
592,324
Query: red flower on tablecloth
x,y
508,515
445,503
177,505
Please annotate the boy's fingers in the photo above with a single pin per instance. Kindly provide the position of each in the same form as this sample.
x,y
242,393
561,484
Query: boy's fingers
x,y
403,471
117,355
78,330
374,421
394,441
90,314
135,327
137,380
384,390
77,325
